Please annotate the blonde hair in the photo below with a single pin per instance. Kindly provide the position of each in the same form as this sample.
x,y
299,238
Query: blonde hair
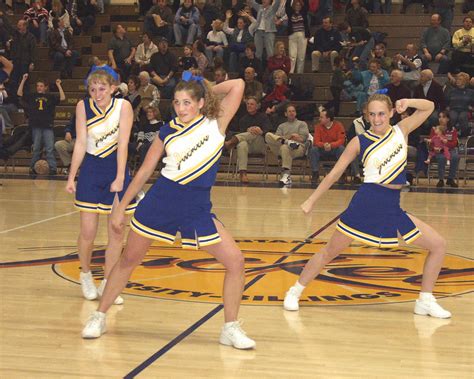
x,y
464,76
202,90
382,98
102,77
282,73
278,44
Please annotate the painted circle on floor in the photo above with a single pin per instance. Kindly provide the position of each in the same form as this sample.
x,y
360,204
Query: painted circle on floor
x,y
360,275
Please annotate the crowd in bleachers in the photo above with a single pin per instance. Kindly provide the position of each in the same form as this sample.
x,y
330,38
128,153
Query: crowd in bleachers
x,y
264,43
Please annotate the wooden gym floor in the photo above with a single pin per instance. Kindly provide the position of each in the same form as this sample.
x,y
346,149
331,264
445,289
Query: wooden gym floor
x,y
356,319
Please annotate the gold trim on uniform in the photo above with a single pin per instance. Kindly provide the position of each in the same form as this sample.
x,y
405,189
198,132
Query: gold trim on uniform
x,y
377,146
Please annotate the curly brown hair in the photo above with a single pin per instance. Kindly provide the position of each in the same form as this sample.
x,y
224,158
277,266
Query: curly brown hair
x,y
202,90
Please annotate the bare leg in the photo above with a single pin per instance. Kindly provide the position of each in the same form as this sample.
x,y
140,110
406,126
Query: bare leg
x,y
436,245
134,252
228,253
85,241
333,248
114,245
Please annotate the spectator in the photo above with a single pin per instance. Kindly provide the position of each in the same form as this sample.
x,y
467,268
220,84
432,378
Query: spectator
x,y
463,44
359,126
58,11
281,20
149,95
327,44
266,28
6,68
199,53
410,63
220,75
397,90
82,14
159,20
65,147
209,12
22,51
288,142
61,49
298,32
279,61
163,66
460,101
133,96
278,97
148,131
6,107
360,41
187,61
450,135
435,44
430,89
250,60
379,53
216,41
121,52
37,19
253,127
357,16
438,144
239,38
144,6
41,107
445,9
186,23
406,3
144,52
328,142
253,88
337,84
373,80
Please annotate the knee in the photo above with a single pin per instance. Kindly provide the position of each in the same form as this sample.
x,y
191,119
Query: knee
x,y
236,264
130,260
439,245
316,54
87,234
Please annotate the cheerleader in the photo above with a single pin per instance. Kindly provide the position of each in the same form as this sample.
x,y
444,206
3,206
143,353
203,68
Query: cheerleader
x,y
180,198
374,216
103,125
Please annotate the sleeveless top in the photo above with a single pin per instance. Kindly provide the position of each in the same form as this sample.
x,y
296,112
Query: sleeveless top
x,y
102,127
192,151
384,157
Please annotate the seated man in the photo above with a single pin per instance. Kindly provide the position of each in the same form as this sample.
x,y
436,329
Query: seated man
x,y
163,66
121,52
410,63
430,89
397,90
252,86
65,147
37,18
61,49
159,20
328,142
327,44
359,126
253,126
288,142
463,44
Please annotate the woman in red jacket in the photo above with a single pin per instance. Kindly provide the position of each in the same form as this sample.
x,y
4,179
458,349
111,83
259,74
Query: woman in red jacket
x,y
451,135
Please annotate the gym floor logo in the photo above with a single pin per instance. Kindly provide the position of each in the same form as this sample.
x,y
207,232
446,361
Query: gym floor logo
x,y
361,275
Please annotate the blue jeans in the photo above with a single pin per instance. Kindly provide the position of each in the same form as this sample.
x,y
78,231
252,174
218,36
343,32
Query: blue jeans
x,y
460,121
63,63
43,137
317,153
264,39
453,168
191,33
40,32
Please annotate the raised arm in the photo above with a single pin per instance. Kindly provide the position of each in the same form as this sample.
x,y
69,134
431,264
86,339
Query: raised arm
x,y
424,108
350,153
232,92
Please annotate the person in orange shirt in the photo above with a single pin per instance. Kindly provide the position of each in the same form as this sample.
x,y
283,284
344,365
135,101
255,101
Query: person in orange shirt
x,y
328,142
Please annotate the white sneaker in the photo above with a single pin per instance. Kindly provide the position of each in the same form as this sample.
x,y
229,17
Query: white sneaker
x,y
291,299
100,291
233,335
87,285
431,308
285,179
95,326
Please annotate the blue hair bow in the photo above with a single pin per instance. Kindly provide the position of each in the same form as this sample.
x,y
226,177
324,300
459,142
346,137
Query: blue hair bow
x,y
187,76
382,91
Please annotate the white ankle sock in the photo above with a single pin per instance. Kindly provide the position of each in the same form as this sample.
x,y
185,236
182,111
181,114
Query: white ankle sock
x,y
229,324
101,314
299,287
426,296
